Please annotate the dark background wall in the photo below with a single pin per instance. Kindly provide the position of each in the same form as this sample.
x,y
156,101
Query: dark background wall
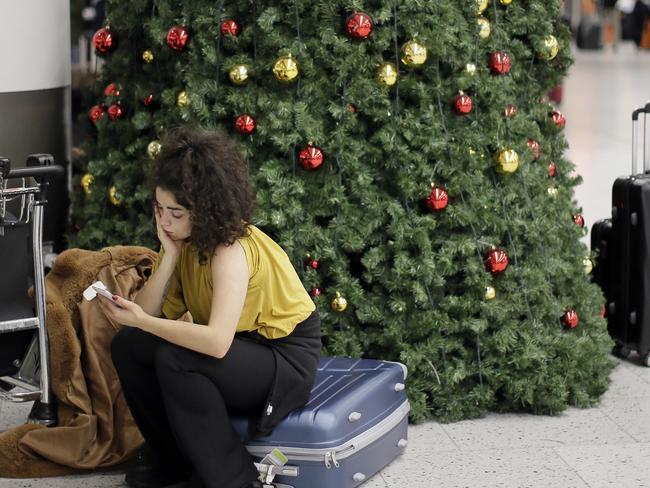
x,y
35,79
37,122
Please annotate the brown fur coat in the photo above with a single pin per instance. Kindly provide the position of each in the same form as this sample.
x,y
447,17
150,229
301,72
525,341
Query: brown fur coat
x,y
95,427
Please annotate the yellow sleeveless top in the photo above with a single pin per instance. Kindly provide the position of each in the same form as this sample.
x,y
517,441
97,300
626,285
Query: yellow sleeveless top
x,y
276,300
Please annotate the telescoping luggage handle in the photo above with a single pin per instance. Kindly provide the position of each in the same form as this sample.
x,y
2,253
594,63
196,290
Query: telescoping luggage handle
x,y
646,139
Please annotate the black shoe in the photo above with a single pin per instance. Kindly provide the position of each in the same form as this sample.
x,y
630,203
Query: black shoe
x,y
154,478
255,484
194,482
147,473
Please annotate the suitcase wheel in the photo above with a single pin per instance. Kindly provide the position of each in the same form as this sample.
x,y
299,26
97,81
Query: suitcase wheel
x,y
620,351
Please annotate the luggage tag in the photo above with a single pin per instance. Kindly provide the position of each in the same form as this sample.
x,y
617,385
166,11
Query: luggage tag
x,y
274,464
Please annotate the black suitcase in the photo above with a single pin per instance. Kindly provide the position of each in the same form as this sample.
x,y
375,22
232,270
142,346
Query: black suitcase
x,y
590,33
601,233
628,256
15,279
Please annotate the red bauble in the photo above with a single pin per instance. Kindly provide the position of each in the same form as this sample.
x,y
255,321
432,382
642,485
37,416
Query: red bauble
x,y
579,220
148,100
245,124
352,108
311,158
359,25
315,292
230,28
510,111
463,104
551,170
496,261
104,41
95,113
570,319
534,146
603,311
558,119
177,37
500,63
112,90
115,111
438,199
314,264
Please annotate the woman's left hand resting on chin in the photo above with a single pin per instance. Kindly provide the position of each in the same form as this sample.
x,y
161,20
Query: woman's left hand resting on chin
x,y
123,311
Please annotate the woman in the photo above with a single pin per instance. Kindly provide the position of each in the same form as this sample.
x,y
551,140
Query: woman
x,y
255,340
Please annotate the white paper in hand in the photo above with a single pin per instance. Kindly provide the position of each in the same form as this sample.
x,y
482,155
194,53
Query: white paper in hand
x,y
90,293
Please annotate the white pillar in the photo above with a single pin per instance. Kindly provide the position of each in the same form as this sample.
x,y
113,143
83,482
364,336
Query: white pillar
x,y
35,94
34,45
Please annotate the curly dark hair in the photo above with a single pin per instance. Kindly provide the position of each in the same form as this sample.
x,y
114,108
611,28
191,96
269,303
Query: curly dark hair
x,y
207,175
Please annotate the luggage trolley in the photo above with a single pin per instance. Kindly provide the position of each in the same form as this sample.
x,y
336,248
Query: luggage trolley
x,y
24,362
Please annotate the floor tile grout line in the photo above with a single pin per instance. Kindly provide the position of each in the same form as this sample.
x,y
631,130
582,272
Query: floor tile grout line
x,y
453,441
566,463
523,447
628,367
381,475
636,441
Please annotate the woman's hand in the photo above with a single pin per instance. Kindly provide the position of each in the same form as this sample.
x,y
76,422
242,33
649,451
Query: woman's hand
x,y
122,311
172,248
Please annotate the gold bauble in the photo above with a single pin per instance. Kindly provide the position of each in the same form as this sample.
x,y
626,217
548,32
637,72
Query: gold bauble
x,y
484,27
153,149
505,2
470,69
507,161
147,56
182,100
474,152
548,49
285,69
339,304
86,182
588,264
490,293
552,191
387,74
239,74
481,5
413,54
114,196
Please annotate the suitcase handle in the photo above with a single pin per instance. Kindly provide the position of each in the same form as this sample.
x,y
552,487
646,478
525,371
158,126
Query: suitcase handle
x,y
646,139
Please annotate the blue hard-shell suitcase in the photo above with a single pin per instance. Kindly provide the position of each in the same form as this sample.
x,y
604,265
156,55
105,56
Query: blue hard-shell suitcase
x,y
354,424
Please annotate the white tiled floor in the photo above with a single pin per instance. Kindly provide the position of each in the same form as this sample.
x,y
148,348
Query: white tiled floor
x,y
606,446
600,93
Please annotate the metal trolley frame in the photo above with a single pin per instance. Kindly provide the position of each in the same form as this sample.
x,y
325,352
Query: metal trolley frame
x,y
30,381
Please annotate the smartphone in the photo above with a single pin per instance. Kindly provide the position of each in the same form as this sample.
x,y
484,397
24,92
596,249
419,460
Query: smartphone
x,y
105,293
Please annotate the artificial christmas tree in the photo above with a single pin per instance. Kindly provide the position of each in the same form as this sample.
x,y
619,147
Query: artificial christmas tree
x,y
442,240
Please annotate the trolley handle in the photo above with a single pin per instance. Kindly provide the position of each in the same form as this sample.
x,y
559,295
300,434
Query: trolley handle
x,y
38,166
5,167
36,172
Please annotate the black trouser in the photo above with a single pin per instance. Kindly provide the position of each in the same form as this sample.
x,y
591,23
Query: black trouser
x,y
180,399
